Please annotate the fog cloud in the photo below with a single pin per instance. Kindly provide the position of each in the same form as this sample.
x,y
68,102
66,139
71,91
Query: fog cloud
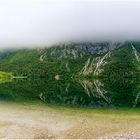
x,y
45,22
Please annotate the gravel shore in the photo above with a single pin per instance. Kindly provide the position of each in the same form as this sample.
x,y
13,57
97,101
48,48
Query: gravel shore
x,y
44,122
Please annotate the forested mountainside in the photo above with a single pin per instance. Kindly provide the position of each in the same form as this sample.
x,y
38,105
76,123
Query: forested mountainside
x,y
85,74
70,60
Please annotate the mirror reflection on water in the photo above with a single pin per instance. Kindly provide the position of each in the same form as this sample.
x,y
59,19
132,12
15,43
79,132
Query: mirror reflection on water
x,y
87,74
84,92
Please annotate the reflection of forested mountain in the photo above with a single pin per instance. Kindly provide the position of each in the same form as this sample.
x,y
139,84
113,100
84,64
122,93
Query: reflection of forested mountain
x,y
83,93
86,74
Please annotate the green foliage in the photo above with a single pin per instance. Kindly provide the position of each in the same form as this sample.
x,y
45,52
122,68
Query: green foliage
x,y
120,74
4,77
122,64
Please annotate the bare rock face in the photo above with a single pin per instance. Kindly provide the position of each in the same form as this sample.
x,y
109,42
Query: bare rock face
x,y
75,50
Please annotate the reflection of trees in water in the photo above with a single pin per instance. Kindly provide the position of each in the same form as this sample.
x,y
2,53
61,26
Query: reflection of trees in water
x,y
137,99
99,92
123,92
42,96
67,88
88,87
72,93
95,89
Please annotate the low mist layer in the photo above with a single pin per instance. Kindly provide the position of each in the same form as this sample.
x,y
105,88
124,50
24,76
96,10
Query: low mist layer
x,y
33,23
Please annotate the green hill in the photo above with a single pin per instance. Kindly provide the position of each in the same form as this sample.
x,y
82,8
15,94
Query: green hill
x,y
87,74
74,60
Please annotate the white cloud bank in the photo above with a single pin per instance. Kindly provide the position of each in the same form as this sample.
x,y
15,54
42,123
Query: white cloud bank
x,y
44,22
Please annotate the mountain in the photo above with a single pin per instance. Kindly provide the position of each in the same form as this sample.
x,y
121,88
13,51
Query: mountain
x,y
74,60
84,74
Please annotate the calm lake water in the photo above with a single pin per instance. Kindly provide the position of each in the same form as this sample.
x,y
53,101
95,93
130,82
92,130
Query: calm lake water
x,y
85,92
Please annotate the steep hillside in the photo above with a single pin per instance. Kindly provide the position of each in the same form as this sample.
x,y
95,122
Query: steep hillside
x,y
74,60
84,74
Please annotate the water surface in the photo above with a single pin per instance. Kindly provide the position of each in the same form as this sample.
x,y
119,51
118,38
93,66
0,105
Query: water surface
x,y
83,92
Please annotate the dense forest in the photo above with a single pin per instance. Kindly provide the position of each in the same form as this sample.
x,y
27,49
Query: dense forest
x,y
74,60
87,74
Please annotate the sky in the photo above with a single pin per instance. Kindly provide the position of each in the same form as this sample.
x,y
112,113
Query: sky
x,y
32,23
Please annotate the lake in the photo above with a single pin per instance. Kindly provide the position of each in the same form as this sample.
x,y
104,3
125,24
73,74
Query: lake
x,y
82,92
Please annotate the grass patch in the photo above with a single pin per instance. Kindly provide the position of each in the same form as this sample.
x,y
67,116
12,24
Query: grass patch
x,y
5,77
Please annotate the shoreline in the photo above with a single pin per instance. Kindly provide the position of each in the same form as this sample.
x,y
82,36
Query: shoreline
x,y
47,121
